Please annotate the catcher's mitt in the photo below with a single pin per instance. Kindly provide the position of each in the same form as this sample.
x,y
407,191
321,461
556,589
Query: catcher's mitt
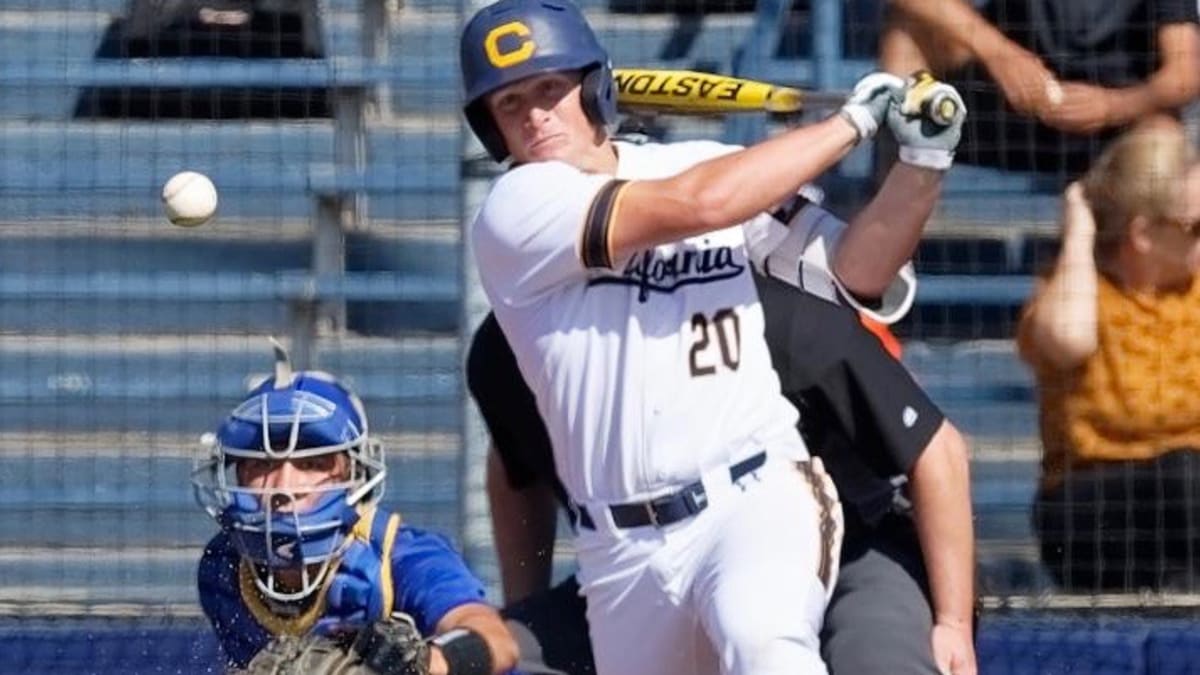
x,y
308,655
393,647
390,647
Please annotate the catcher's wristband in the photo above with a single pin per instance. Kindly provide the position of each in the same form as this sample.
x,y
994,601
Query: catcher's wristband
x,y
465,651
927,158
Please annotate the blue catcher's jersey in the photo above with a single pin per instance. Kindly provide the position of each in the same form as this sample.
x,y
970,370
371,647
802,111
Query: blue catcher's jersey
x,y
428,580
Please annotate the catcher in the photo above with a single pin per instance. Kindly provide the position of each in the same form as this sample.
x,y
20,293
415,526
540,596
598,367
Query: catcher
x,y
293,479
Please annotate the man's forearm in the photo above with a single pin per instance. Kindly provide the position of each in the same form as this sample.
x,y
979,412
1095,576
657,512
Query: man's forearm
x,y
1166,92
957,20
941,494
884,235
1175,84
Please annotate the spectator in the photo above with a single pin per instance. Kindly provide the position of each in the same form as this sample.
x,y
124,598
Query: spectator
x,y
1110,335
1049,82
200,29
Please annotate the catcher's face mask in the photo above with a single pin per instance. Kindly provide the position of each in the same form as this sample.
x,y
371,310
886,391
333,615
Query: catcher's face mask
x,y
284,475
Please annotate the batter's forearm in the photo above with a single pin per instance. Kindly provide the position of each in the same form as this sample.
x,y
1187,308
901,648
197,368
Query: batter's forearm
x,y
727,190
885,234
940,490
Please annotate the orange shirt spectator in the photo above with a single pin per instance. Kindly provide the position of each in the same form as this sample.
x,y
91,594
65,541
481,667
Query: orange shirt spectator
x,y
1110,334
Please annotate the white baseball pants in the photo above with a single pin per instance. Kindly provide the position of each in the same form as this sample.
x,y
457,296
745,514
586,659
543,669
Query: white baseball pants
x,y
734,590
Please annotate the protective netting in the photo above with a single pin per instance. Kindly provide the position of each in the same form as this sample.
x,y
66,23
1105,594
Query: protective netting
x,y
331,129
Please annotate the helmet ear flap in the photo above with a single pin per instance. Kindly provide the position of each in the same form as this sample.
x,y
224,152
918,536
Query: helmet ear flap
x,y
599,96
486,130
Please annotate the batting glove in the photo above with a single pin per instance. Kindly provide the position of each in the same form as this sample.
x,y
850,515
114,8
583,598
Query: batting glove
x,y
927,122
867,107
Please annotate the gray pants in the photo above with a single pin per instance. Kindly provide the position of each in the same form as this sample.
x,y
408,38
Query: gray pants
x,y
878,621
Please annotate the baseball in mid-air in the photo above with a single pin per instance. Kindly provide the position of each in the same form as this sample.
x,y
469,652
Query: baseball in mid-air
x,y
189,198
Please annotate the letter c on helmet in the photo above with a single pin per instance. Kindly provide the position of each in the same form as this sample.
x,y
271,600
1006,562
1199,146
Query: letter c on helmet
x,y
506,59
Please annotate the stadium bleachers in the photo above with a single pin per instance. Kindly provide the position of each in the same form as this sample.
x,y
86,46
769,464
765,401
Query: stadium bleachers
x,y
122,339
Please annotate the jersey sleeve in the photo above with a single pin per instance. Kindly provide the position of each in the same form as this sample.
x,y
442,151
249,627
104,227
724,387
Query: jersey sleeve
x,y
431,578
1174,11
239,635
535,228
796,245
508,408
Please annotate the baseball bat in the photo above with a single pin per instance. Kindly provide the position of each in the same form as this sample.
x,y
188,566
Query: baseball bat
x,y
688,92
694,93
926,96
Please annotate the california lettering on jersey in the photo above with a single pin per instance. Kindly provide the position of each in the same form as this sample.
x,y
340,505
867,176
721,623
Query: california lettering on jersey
x,y
608,351
657,271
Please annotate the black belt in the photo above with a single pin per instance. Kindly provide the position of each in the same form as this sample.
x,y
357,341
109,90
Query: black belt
x,y
685,503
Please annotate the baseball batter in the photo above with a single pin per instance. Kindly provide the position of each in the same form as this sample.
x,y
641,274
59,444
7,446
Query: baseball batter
x,y
708,539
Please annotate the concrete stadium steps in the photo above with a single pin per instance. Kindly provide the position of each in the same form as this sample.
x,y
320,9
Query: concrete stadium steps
x,y
423,47
119,409
986,391
126,643
127,383
982,385
136,501
236,155
125,529
1006,249
101,575
1019,208
1005,255
240,250
243,246
424,51
1003,486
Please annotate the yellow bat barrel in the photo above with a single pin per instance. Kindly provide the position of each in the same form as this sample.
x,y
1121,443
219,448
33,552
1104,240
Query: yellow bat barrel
x,y
695,92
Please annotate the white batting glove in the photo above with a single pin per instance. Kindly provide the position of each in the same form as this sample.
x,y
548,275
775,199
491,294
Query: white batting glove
x,y
866,109
927,122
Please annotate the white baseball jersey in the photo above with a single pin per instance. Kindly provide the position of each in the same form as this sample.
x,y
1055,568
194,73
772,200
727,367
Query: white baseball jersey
x,y
647,370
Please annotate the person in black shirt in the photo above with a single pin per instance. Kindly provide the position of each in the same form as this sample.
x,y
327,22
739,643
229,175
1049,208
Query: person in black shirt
x,y
899,465
1049,82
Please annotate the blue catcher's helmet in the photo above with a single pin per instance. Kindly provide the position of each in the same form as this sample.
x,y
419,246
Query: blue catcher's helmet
x,y
514,39
291,417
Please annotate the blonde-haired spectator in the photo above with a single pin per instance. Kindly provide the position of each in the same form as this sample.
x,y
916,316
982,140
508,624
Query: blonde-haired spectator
x,y
1111,334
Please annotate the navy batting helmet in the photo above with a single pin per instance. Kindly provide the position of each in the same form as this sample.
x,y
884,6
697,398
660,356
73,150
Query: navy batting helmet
x,y
514,39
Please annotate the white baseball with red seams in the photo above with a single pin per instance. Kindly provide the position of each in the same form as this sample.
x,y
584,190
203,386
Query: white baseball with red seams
x,y
650,375
189,199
